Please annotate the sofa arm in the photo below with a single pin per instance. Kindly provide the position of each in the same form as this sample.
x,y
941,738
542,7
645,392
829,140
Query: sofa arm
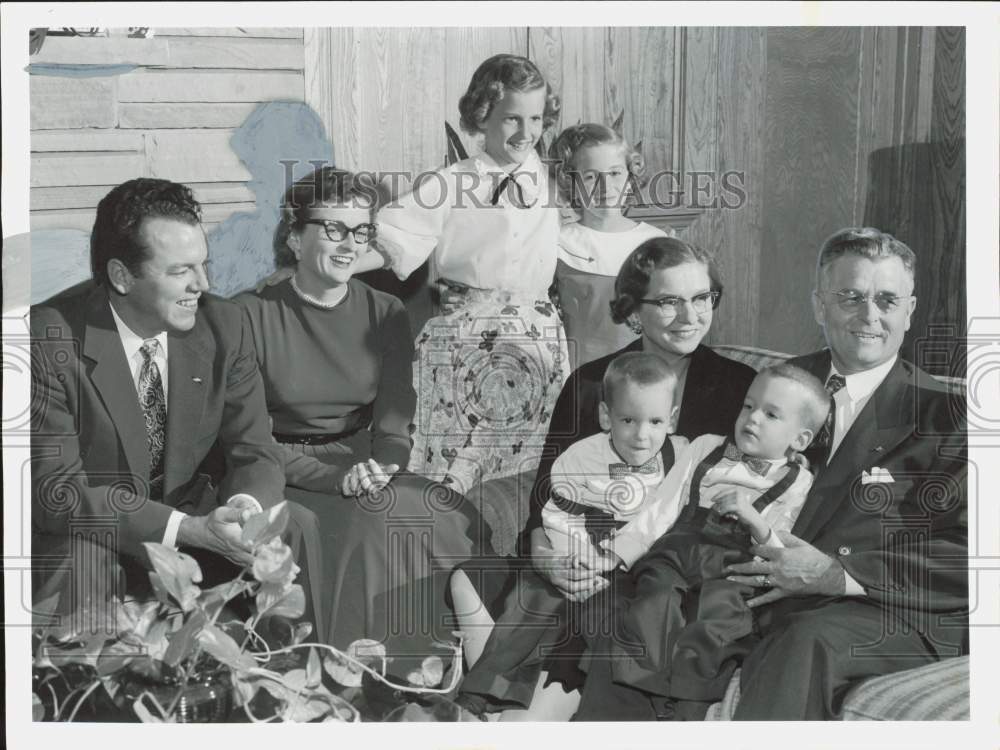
x,y
933,692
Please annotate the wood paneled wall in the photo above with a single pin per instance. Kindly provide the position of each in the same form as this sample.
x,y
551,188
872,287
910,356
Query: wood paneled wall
x,y
826,128
170,116
863,126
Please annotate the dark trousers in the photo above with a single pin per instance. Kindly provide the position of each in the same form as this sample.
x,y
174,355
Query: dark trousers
x,y
680,629
814,650
536,630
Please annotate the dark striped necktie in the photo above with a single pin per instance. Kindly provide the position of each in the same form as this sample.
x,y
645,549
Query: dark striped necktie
x,y
824,439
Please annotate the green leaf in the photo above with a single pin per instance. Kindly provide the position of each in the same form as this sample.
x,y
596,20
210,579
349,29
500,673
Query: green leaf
x,y
314,670
273,599
182,642
365,650
178,573
432,669
217,597
220,645
263,527
300,703
37,707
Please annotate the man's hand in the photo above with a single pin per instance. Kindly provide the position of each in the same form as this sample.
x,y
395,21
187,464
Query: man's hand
x,y
217,532
574,580
367,476
797,569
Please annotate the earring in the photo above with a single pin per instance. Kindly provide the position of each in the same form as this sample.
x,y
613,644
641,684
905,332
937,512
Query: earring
x,y
634,325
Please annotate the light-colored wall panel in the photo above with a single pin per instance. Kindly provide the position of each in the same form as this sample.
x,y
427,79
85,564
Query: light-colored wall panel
x,y
52,169
58,102
234,52
88,196
85,50
148,115
110,139
247,32
193,156
207,86
423,60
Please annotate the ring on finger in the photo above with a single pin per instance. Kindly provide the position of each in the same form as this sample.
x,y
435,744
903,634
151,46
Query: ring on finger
x,y
765,581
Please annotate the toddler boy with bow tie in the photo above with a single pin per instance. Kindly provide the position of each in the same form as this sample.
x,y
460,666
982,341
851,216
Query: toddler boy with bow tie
x,y
680,624
601,482
597,485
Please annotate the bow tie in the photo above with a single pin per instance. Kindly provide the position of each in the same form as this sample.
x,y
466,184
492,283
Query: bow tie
x,y
756,465
509,180
618,470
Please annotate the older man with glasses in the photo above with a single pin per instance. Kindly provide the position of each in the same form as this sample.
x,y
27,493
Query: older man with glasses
x,y
873,578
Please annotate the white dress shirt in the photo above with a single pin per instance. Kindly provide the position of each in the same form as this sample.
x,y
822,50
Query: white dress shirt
x,y
852,398
473,242
132,344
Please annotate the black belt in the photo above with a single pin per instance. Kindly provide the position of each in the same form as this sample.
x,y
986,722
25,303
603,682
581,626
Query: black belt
x,y
326,439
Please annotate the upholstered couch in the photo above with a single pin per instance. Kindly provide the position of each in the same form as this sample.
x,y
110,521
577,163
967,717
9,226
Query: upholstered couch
x,y
934,692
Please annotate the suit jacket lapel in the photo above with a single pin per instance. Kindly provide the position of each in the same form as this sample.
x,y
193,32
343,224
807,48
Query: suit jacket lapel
x,y
111,375
189,363
699,395
885,421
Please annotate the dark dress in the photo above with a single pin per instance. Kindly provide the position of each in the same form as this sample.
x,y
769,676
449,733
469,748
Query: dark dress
x,y
713,394
347,370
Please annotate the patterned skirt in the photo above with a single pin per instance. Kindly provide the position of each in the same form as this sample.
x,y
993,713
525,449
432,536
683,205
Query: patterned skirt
x,y
487,377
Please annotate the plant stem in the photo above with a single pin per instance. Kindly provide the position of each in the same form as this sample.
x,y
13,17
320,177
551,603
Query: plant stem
x,y
83,697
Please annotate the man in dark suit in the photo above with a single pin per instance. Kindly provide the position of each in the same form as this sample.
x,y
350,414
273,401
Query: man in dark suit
x,y
136,377
873,578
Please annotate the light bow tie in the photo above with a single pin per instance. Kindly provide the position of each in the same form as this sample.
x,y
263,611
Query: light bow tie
x,y
756,465
621,469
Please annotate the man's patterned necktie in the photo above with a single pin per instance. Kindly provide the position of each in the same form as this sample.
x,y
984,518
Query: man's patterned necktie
x,y
154,409
759,466
824,439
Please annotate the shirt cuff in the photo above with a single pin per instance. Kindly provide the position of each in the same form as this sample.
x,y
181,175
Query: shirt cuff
x,y
243,500
173,526
852,587
627,548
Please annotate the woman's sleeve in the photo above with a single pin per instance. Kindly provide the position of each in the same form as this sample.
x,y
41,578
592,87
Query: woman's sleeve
x,y
410,227
396,401
309,473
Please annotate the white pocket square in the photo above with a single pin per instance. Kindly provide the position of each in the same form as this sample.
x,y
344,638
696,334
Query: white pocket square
x,y
877,475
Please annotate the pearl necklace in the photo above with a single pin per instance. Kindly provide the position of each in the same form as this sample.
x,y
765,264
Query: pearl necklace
x,y
313,301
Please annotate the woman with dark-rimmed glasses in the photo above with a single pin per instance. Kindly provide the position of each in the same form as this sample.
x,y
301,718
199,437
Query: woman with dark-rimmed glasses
x,y
336,357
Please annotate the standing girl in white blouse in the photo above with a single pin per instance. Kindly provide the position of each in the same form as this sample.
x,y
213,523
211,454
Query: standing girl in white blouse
x,y
597,174
487,374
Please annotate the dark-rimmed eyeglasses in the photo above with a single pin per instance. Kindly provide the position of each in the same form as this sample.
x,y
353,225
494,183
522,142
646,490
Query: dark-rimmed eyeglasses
x,y
670,306
851,300
338,230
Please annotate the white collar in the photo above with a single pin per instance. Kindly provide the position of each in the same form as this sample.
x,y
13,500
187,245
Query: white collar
x,y
487,166
131,340
863,384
